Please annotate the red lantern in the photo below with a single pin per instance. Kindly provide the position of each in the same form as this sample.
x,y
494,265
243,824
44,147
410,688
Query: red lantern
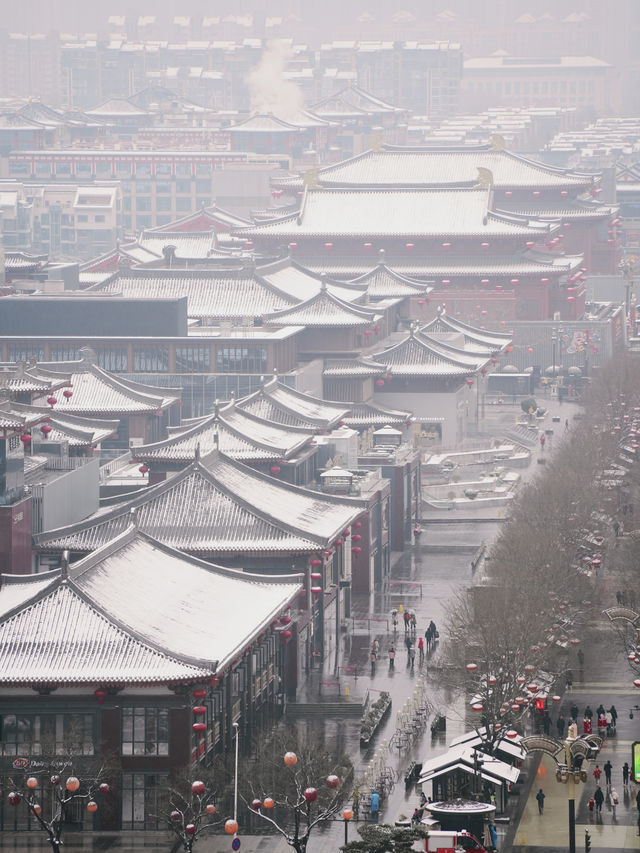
x,y
367,333
316,576
199,728
52,401
338,543
72,784
231,826
32,783
286,635
285,620
14,798
45,429
346,533
315,562
190,829
275,470
328,245
471,667
469,382
357,524
379,382
25,439
316,590
310,795
269,802
409,245
199,711
104,788
67,394
356,537
512,734
290,759
143,469
357,550
92,806
477,706
210,808
256,805
484,245
199,693
446,245
198,787
100,694
176,815
332,781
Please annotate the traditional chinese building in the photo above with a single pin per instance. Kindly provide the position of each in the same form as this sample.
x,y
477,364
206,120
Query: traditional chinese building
x,y
88,670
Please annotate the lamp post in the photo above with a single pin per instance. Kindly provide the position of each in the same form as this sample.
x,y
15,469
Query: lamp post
x,y
347,814
569,756
554,341
235,779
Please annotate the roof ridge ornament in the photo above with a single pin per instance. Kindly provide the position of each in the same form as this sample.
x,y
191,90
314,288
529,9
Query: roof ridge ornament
x,y
64,566
497,142
133,517
197,453
485,177
381,257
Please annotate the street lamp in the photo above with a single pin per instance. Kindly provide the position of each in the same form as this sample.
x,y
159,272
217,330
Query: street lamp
x,y
347,814
569,756
554,341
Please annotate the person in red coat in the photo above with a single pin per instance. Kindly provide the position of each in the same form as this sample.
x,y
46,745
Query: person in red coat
x,y
586,726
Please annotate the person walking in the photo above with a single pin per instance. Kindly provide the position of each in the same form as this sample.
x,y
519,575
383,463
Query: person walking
x,y
574,711
542,441
374,806
421,649
625,775
597,773
392,656
608,767
546,723
560,724
540,799
493,833
614,716
373,658
599,799
588,712
614,802
412,656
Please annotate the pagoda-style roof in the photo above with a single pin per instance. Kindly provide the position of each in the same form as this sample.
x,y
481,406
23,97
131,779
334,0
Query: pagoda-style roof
x,y
383,283
95,391
276,402
574,211
213,295
14,418
194,511
472,356
398,213
239,434
361,367
117,108
79,627
22,378
486,340
299,283
78,431
184,245
263,124
438,167
372,414
19,263
417,356
353,102
323,310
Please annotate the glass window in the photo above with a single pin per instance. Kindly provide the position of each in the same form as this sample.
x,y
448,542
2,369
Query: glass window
x,y
163,188
143,203
47,734
103,167
126,203
163,204
144,800
143,187
183,186
100,217
43,170
241,360
145,731
63,168
143,170
64,352
83,217
192,359
183,169
163,168
143,221
183,204
82,168
114,359
23,352
203,170
123,168
151,359
18,168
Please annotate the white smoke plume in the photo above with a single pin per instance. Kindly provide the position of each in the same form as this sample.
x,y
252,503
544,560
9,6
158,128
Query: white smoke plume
x,y
270,91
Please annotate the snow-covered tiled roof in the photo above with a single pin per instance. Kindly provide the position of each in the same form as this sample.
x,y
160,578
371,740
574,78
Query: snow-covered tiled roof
x,y
80,628
300,283
78,431
323,309
416,356
324,413
486,339
371,414
193,511
233,431
187,246
352,101
383,283
97,391
212,295
362,367
390,212
431,167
